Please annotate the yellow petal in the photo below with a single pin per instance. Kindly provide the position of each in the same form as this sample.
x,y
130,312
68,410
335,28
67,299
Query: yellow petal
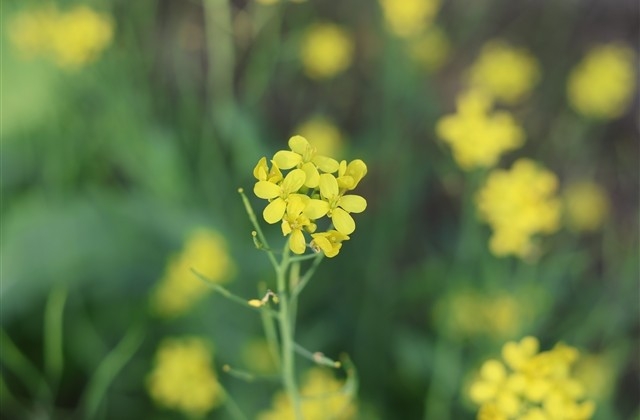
x,y
321,242
266,190
297,243
315,209
343,222
493,371
293,181
313,176
286,159
299,144
328,186
326,164
353,203
274,211
261,169
285,227
296,205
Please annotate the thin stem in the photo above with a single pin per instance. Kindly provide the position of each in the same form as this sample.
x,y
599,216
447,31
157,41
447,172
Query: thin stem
x,y
286,336
294,279
232,407
53,334
232,297
270,333
303,257
307,276
109,369
256,226
317,357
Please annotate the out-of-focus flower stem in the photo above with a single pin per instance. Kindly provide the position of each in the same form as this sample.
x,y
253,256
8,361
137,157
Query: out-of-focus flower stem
x,y
53,322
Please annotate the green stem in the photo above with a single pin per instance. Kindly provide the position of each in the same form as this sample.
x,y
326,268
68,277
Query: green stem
x,y
256,226
294,280
303,258
286,336
317,357
53,334
109,369
232,406
307,276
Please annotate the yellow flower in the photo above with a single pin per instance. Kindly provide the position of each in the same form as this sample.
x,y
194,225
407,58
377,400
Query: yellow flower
x,y
478,137
519,204
506,72
430,49
531,385
340,205
586,206
326,137
72,39
408,18
182,378
602,85
304,156
298,216
350,175
262,172
328,242
279,194
326,50
179,289
323,397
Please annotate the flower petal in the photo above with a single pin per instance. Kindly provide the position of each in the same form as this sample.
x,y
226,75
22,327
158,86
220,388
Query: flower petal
x,y
353,203
321,243
297,244
293,181
315,209
266,190
328,186
313,176
326,164
274,211
299,144
286,159
343,221
296,205
261,169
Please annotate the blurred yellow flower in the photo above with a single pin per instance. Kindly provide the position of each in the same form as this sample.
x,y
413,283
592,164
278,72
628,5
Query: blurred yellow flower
x,y
506,72
586,206
408,18
326,50
430,49
324,134
179,289
183,379
597,373
603,83
477,136
323,397
72,39
519,204
529,384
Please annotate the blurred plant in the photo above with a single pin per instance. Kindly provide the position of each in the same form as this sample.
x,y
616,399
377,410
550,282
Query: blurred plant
x,y
183,378
324,397
430,49
476,135
531,385
72,39
257,356
518,204
602,85
507,73
586,206
178,291
325,135
598,374
269,2
409,18
326,50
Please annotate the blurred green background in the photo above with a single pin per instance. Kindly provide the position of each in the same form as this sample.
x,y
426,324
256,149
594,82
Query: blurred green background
x,y
111,160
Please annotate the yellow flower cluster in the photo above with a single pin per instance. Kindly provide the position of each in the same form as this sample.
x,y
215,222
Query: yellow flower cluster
x,y
505,72
519,204
316,186
72,39
408,18
326,50
586,206
531,385
183,379
430,49
603,84
477,135
323,397
179,289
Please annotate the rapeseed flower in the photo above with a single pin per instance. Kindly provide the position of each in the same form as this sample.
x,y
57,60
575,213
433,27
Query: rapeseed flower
x,y
72,39
323,397
507,73
478,136
326,51
183,379
430,49
529,384
178,290
326,136
409,18
519,204
586,206
602,85
314,187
